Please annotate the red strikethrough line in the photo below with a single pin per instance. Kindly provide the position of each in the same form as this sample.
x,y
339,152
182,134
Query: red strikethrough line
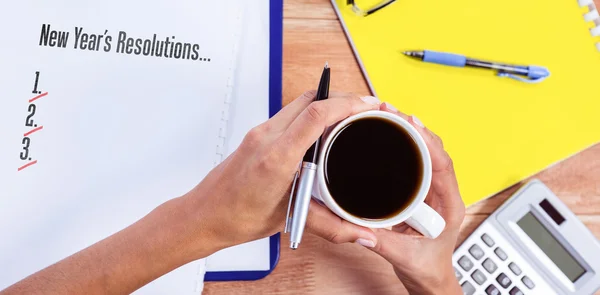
x,y
37,97
26,165
32,131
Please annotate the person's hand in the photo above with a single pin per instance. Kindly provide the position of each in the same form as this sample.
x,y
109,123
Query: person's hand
x,y
242,199
423,265
245,197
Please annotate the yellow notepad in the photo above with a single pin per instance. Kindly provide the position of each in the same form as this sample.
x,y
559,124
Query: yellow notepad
x,y
497,130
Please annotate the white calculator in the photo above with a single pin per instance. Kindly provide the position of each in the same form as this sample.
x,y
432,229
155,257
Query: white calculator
x,y
532,244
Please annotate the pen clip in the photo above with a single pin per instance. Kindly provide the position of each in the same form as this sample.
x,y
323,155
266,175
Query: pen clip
x,y
535,74
288,218
518,78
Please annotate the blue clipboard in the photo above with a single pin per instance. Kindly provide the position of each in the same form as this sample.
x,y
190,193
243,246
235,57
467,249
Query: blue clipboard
x,y
275,96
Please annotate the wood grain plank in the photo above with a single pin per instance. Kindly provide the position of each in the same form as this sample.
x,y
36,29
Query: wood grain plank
x,y
308,9
353,269
294,274
321,9
312,35
307,46
576,181
325,268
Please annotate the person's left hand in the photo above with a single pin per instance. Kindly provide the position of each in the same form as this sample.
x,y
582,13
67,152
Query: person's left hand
x,y
245,197
241,200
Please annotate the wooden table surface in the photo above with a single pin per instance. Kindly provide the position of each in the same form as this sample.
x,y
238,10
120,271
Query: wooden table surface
x,y
319,267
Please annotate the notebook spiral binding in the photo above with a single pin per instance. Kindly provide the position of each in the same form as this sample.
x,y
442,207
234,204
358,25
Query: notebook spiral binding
x,y
221,149
592,16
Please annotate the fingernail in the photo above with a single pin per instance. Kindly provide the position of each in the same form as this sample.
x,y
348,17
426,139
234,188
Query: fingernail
x,y
390,107
370,100
366,243
417,121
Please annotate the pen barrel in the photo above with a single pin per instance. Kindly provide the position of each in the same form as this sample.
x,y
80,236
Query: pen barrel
x,y
312,153
302,202
505,68
443,58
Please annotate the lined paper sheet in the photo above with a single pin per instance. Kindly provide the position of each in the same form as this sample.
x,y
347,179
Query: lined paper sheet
x,y
108,109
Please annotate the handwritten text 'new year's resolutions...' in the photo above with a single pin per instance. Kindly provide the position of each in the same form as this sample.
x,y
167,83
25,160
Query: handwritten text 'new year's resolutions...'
x,y
160,47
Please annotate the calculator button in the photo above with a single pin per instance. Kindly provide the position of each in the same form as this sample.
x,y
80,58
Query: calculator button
x,y
465,263
489,265
492,290
458,275
528,282
503,280
478,277
514,268
467,288
476,252
500,253
515,291
487,240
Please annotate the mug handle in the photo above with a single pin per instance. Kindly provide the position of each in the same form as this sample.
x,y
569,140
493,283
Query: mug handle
x,y
427,221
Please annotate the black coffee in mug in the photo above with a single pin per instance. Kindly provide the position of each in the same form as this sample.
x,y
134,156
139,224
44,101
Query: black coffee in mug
x,y
373,168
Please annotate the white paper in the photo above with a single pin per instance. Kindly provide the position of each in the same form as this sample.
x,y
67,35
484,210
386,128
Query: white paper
x,y
122,133
250,108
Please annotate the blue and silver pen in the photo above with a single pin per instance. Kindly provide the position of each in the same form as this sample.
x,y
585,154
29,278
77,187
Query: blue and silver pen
x,y
301,192
529,74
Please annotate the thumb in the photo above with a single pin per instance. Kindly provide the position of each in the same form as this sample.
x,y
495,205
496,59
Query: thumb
x,y
331,227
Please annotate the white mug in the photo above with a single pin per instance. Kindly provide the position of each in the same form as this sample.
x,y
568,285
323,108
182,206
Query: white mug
x,y
417,214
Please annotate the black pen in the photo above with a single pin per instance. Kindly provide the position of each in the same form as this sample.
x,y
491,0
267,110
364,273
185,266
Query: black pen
x,y
306,178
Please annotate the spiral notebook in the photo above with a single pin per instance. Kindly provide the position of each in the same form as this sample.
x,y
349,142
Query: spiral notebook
x,y
497,130
107,111
257,77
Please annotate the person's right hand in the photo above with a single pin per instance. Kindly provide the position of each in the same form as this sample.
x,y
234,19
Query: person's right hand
x,y
423,265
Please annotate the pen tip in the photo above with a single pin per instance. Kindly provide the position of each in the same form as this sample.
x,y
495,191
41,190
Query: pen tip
x,y
406,53
327,65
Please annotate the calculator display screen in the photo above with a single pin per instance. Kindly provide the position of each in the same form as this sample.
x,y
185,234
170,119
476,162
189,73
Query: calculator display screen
x,y
549,245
